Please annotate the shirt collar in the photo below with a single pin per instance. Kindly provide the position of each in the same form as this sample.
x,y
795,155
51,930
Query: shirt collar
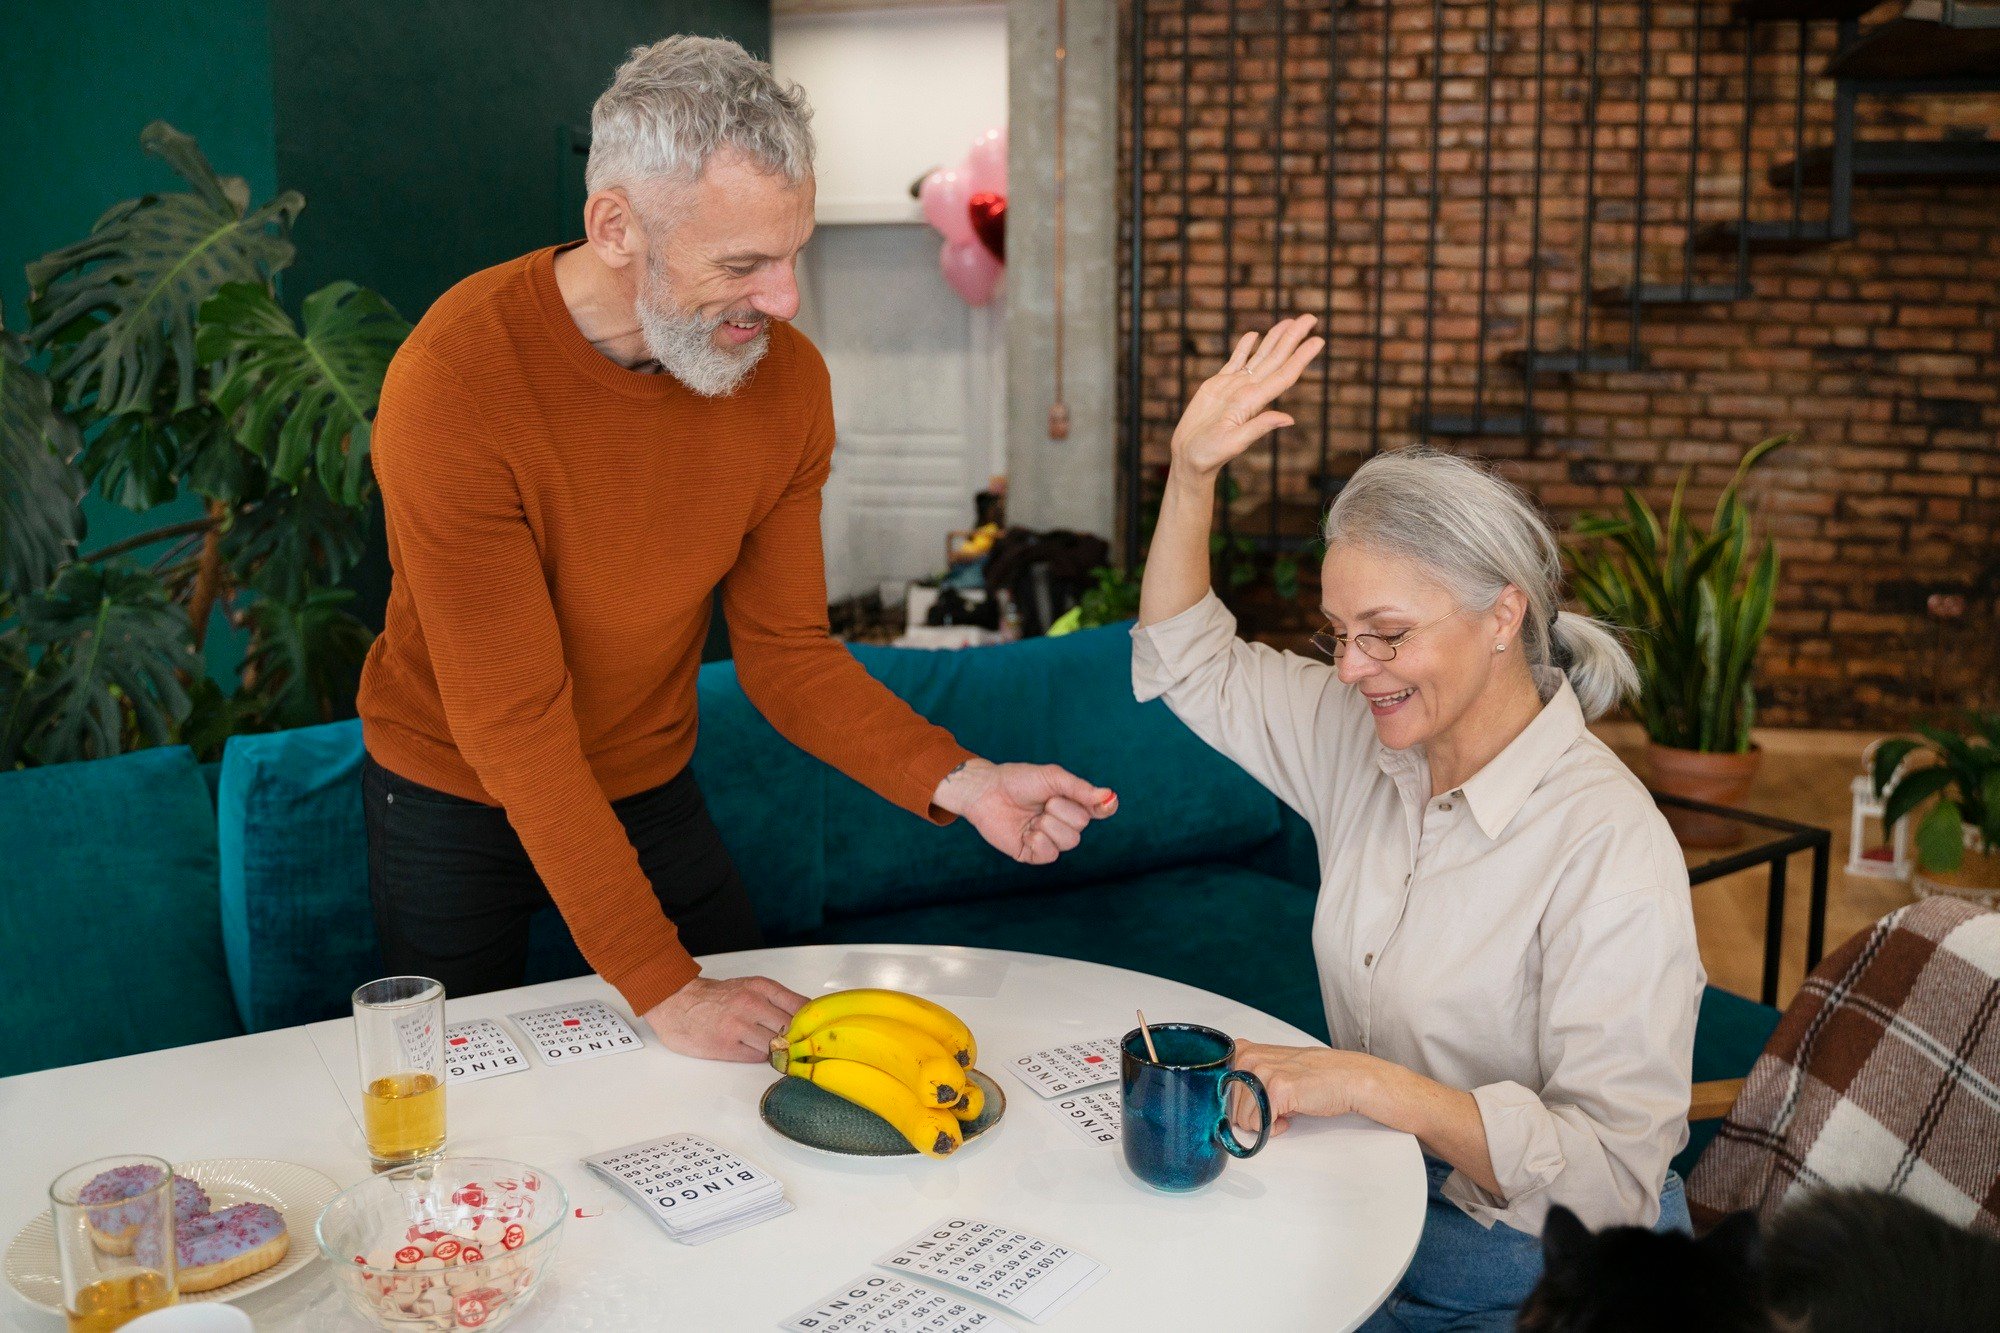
x,y
1497,792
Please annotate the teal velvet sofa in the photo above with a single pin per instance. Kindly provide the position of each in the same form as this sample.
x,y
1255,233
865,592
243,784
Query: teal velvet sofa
x,y
208,915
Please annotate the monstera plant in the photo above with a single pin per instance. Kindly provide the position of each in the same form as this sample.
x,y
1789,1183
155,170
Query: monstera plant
x,y
158,361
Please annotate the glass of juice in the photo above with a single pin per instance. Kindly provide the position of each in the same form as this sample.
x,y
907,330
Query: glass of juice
x,y
399,1035
114,1221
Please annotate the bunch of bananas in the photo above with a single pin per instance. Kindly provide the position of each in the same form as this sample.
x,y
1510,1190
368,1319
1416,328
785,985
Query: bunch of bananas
x,y
892,1053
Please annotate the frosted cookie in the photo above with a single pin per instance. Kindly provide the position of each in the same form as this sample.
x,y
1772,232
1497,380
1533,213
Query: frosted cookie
x,y
219,1248
113,1228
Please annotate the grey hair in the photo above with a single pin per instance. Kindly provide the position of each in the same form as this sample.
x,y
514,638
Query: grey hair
x,y
675,103
1474,533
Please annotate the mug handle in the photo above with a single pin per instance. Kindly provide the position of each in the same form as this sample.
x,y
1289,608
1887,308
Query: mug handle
x,y
1227,1133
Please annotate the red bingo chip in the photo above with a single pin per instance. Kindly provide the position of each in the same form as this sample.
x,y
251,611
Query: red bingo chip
x,y
447,1249
471,1311
472,1254
409,1254
513,1237
471,1196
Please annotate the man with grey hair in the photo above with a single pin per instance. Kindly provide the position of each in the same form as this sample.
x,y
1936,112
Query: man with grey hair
x,y
575,449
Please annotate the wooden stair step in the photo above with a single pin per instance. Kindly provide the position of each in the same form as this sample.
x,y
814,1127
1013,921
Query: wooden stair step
x,y
1465,425
1896,162
1907,48
1764,238
1669,293
1569,361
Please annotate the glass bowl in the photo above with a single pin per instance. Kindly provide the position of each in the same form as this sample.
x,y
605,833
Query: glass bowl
x,y
456,1243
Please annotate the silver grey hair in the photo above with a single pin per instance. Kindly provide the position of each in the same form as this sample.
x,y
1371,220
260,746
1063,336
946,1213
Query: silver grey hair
x,y
1474,533
675,103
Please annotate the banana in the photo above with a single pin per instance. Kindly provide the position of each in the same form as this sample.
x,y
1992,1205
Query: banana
x,y
930,1130
896,1048
971,1105
944,1027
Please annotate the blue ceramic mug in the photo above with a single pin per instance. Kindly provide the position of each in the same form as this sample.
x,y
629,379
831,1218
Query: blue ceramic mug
x,y
1176,1127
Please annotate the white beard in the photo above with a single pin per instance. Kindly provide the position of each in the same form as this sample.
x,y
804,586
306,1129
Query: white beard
x,y
684,345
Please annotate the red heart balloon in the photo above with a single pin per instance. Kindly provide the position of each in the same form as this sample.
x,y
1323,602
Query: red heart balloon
x,y
989,221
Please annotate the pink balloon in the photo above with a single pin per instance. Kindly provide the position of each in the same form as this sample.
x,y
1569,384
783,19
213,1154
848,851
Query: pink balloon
x,y
944,196
985,166
971,270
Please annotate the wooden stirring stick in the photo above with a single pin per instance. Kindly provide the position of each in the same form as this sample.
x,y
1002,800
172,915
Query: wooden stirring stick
x,y
1148,1034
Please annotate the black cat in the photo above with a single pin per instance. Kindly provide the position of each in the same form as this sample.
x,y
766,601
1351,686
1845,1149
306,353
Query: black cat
x,y
1632,1280
1836,1261
1861,1261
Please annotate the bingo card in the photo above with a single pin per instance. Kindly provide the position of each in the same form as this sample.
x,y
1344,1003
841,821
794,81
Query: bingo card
x,y
1025,1274
1061,1069
480,1049
1094,1116
562,1034
878,1303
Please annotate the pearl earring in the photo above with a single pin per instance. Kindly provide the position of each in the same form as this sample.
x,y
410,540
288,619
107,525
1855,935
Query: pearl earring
x,y
1499,647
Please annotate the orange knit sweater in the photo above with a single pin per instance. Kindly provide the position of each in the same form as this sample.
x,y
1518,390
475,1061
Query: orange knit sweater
x,y
557,527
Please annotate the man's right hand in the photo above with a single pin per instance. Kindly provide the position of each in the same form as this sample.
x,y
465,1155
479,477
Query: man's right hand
x,y
731,1019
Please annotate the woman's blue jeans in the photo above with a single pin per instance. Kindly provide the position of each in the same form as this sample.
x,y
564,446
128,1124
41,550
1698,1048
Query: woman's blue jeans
x,y
1466,1278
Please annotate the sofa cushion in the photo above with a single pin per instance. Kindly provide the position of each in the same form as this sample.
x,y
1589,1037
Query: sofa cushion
x,y
1067,701
109,940
1729,1035
296,920
295,915
1219,927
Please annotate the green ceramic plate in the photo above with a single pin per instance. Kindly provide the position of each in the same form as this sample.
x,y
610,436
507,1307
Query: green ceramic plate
x,y
815,1117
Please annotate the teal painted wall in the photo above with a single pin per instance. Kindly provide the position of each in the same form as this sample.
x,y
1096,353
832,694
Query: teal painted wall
x,y
426,138
80,79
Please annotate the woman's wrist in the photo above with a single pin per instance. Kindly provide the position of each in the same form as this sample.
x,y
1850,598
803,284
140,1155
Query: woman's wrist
x,y
1186,480
1379,1087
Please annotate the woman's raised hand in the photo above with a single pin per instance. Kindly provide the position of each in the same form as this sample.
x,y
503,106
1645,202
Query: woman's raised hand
x,y
1230,412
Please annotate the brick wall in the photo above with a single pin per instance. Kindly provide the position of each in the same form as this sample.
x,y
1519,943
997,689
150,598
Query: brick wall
x,y
1878,351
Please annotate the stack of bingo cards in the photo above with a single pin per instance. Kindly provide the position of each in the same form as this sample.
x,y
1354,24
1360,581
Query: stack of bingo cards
x,y
694,1189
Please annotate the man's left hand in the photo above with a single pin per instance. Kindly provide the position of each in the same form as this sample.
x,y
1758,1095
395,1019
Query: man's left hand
x,y
1032,812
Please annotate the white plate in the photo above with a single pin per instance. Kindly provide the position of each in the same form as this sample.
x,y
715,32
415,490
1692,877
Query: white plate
x,y
299,1192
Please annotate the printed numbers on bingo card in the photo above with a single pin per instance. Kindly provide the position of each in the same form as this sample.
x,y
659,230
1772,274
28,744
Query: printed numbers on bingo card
x,y
479,1050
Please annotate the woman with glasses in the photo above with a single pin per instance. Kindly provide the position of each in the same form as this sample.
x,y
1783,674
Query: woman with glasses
x,y
1504,939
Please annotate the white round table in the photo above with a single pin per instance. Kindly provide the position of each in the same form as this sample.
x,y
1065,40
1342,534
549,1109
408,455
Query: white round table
x,y
1312,1233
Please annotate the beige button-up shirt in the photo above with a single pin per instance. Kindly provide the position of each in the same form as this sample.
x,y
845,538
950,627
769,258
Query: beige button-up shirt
x,y
1527,936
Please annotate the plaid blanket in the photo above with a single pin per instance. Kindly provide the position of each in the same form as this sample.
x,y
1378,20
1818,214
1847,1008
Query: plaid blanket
x,y
1884,1074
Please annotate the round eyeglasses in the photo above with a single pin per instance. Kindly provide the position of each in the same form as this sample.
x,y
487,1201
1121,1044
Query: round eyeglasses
x,y
1380,647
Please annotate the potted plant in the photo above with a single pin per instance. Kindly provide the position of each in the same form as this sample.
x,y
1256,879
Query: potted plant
x,y
159,362
1697,605
1958,838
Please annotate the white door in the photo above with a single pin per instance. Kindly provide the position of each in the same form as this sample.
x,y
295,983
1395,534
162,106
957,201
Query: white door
x,y
916,400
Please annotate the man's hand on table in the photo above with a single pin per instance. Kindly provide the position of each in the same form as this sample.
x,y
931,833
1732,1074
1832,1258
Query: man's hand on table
x,y
731,1019
1032,812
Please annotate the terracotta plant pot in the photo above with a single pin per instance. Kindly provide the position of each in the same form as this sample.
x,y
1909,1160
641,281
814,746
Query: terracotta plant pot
x,y
1719,779
1977,879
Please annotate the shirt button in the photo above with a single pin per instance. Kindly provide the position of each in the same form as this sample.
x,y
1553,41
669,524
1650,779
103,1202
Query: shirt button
x,y
1444,805
1368,960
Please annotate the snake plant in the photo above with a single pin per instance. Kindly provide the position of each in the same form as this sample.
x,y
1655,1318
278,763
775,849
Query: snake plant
x,y
1695,605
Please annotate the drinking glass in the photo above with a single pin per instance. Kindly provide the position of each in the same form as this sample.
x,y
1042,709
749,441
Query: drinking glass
x,y
114,1240
399,1036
